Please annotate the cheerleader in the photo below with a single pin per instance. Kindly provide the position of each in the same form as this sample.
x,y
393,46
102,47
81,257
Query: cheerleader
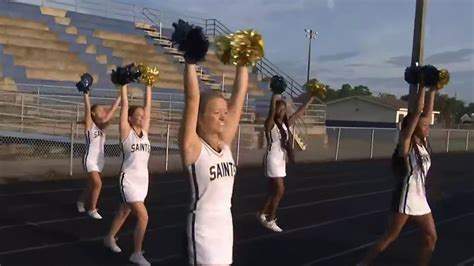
x,y
279,148
133,182
97,118
207,131
411,162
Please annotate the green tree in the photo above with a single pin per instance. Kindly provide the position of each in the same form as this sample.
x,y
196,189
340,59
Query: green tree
x,y
345,91
387,95
332,94
450,109
361,90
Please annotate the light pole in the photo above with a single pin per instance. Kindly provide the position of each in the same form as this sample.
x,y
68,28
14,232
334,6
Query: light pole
x,y
418,47
310,34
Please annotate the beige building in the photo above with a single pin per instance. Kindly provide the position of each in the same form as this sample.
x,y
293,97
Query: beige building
x,y
366,111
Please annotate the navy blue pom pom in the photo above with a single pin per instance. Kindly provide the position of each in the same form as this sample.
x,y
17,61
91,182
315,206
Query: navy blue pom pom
x,y
125,75
191,40
412,75
430,75
278,84
85,83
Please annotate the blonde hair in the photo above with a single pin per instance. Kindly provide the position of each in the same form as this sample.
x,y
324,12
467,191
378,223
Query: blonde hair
x,y
206,97
204,100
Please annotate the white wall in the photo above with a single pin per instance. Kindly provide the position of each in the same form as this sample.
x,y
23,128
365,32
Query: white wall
x,y
403,112
358,110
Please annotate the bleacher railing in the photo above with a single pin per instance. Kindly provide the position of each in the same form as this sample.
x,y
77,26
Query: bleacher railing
x,y
114,9
168,106
125,10
265,68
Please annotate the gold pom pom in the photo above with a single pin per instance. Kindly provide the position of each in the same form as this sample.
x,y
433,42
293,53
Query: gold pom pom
x,y
316,88
443,79
148,75
223,48
242,48
247,47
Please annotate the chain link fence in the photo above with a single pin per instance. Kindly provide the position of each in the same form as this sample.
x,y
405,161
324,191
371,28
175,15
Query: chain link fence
x,y
32,155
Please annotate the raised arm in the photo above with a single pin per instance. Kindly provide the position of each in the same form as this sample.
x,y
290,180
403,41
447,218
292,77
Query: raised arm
x,y
236,104
147,104
301,110
269,122
124,126
429,104
413,118
87,112
190,146
112,109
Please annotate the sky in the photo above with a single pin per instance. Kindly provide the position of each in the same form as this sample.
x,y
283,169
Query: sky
x,y
360,42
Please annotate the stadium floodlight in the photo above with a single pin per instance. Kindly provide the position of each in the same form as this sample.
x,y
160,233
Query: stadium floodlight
x,y
311,34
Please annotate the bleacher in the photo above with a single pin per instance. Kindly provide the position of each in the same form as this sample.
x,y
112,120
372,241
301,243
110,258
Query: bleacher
x,y
51,47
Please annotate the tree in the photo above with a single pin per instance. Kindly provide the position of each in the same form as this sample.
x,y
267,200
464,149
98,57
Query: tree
x,y
470,109
450,109
404,98
361,91
331,95
345,91
387,95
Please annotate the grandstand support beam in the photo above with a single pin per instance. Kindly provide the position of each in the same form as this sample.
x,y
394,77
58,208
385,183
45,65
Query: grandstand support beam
x,y
418,47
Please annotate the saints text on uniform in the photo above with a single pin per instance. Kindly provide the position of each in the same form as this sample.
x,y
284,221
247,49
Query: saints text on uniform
x,y
140,147
223,169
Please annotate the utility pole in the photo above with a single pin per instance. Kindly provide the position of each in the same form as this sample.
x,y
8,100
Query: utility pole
x,y
418,47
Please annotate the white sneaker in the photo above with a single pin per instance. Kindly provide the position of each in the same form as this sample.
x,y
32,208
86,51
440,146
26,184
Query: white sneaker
x,y
272,225
111,244
137,258
80,207
262,218
94,214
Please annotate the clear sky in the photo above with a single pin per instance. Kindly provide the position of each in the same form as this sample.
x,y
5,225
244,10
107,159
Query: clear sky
x,y
365,42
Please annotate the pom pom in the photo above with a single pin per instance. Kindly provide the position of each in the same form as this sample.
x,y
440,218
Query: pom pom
x,y
181,30
242,48
223,49
443,79
125,74
85,83
412,75
247,47
191,40
316,88
148,75
277,84
430,75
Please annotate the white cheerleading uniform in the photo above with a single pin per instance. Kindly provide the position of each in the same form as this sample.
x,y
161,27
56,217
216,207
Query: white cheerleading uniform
x,y
409,197
274,160
134,173
94,157
210,229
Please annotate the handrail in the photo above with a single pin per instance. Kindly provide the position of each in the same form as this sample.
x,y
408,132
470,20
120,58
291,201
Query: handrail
x,y
144,10
265,67
56,111
74,89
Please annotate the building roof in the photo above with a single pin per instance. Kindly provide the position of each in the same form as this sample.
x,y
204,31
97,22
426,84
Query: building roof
x,y
388,102
467,118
